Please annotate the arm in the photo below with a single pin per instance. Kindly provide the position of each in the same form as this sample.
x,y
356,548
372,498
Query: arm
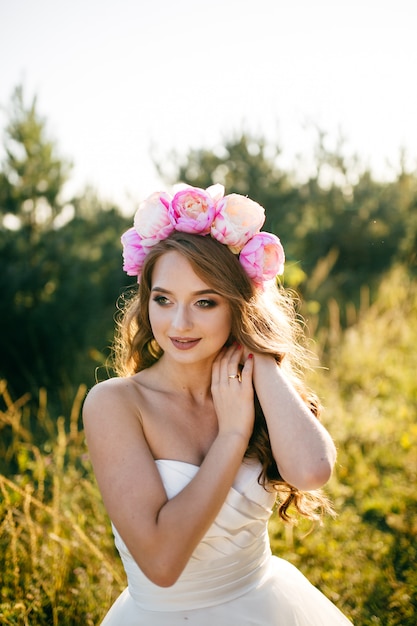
x,y
302,447
161,534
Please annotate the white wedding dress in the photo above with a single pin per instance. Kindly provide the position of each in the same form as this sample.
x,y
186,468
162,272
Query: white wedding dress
x,y
231,579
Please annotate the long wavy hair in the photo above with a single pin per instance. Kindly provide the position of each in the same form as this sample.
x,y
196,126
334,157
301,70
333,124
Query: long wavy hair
x,y
263,321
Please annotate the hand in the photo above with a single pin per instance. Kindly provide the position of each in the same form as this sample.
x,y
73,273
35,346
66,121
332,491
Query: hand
x,y
233,395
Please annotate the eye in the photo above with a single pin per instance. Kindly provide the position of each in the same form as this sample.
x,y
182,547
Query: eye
x,y
161,300
206,303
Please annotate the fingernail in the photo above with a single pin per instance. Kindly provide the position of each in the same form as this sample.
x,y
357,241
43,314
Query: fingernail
x,y
250,356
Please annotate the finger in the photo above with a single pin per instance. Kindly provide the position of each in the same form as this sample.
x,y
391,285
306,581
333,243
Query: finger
x,y
247,370
217,365
234,361
223,360
226,369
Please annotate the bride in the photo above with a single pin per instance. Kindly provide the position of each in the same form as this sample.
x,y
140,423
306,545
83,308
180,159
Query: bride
x,y
209,424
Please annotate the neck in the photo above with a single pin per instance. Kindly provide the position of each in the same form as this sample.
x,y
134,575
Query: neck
x,y
192,380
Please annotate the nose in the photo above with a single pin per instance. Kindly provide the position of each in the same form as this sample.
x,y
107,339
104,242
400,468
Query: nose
x,y
182,319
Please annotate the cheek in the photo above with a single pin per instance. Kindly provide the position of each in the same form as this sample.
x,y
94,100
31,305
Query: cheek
x,y
155,317
229,325
225,325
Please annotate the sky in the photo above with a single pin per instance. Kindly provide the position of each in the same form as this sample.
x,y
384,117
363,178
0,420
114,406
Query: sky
x,y
118,80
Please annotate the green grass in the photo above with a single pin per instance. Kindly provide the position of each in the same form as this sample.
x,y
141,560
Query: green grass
x,y
58,564
57,560
365,560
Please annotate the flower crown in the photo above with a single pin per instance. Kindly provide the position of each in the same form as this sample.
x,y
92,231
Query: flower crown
x,y
233,220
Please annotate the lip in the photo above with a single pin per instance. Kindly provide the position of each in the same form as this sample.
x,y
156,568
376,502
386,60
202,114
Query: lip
x,y
184,343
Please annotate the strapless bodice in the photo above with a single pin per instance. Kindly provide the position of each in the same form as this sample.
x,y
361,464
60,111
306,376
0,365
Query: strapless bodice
x,y
232,557
231,579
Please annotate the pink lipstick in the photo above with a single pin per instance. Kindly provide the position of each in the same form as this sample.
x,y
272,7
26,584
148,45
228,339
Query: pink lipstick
x,y
184,343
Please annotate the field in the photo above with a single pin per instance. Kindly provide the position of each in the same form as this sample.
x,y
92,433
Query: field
x,y
57,560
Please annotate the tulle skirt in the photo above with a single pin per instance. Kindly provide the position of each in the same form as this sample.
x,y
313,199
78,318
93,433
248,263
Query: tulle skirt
x,y
281,597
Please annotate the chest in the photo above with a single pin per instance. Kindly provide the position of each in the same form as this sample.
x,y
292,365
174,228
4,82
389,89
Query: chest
x,y
179,430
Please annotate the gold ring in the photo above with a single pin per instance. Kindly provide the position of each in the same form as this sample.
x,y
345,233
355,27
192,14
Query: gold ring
x,y
234,376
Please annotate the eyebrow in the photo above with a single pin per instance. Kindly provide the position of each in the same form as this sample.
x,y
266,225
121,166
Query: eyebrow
x,y
201,292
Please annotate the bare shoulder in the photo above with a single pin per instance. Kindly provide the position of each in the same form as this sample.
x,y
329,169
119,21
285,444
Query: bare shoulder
x,y
107,389
112,410
112,397
113,423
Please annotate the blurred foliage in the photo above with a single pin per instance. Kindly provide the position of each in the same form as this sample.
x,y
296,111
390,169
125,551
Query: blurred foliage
x,y
56,307
340,229
57,556
33,174
61,268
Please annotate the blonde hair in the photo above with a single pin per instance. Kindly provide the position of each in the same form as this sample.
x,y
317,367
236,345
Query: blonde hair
x,y
264,322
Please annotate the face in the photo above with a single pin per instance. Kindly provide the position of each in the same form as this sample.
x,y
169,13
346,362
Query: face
x,y
189,320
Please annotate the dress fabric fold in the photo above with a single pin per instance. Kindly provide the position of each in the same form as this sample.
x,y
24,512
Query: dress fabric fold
x,y
232,579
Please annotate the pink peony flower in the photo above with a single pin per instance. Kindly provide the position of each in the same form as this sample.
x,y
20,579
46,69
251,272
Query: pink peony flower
x,y
216,192
134,253
263,258
192,210
233,220
237,219
152,221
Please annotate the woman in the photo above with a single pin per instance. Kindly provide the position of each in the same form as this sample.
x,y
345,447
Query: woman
x,y
207,423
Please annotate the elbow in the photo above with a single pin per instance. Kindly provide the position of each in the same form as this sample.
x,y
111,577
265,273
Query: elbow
x,y
163,580
308,477
320,470
318,476
161,573
161,558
